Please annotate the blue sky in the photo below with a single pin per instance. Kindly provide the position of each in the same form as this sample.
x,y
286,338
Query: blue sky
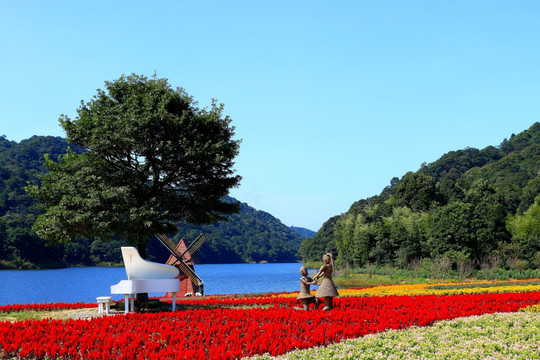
x,y
331,99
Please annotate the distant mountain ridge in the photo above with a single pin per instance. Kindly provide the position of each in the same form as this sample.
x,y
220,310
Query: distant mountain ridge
x,y
303,232
249,236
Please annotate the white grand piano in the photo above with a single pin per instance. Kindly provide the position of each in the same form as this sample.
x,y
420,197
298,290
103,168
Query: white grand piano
x,y
145,277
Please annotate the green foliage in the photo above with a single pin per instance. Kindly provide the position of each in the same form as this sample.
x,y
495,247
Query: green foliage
x,y
303,232
468,208
249,235
417,192
154,158
142,159
516,168
525,230
530,192
20,162
312,249
526,226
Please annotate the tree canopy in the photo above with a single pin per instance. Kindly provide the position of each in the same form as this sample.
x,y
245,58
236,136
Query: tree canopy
x,y
152,158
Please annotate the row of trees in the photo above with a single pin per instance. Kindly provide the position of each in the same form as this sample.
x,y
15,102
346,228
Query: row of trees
x,y
466,206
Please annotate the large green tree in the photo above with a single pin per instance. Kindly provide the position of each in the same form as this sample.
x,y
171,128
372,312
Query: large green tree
x,y
153,158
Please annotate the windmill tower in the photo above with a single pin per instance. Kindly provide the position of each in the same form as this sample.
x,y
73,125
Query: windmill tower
x,y
182,258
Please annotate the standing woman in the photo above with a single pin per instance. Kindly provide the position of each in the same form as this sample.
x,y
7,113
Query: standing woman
x,y
327,289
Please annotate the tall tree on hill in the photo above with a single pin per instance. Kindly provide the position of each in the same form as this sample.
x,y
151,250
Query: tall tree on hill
x,y
153,158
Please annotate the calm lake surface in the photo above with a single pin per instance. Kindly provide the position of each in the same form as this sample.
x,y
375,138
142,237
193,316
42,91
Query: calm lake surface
x,y
85,284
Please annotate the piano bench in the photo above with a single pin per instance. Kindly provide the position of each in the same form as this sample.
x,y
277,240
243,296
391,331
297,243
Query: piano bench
x,y
104,300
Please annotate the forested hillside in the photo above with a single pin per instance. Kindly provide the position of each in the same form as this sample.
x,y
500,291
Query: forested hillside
x,y
469,208
303,232
20,163
249,236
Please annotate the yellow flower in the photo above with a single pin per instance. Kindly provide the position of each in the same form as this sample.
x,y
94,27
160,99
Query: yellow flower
x,y
477,287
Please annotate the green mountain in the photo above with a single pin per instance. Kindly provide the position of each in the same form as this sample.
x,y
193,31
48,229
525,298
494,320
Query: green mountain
x,y
249,236
20,163
303,232
470,204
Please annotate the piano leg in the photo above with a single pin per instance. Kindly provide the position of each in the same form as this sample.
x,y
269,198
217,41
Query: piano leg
x,y
132,302
126,303
173,301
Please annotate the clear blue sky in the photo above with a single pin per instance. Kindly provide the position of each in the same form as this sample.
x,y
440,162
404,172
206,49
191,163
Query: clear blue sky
x,y
330,98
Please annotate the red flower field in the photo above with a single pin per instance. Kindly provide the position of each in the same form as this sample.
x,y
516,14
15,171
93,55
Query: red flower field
x,y
236,327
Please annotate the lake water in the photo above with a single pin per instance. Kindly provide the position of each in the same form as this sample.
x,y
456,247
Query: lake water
x,y
87,283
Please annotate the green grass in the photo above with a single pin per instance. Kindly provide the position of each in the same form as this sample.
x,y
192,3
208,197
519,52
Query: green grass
x,y
312,264
22,315
377,276
360,277
364,280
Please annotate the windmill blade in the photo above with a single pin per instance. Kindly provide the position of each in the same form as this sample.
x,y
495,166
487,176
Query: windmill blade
x,y
182,266
195,245
170,245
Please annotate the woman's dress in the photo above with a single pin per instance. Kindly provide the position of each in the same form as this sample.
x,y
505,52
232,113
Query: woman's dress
x,y
327,287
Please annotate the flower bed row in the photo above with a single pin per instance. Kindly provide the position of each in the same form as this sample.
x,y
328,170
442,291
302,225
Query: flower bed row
x,y
44,307
484,284
441,288
492,336
277,299
223,333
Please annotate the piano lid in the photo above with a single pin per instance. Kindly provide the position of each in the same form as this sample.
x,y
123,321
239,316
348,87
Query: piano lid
x,y
137,268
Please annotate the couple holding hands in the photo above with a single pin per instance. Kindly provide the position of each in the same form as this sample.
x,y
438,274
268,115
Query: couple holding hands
x,y
327,289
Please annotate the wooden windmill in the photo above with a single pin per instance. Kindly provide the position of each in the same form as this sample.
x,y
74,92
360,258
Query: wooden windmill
x,y
182,258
